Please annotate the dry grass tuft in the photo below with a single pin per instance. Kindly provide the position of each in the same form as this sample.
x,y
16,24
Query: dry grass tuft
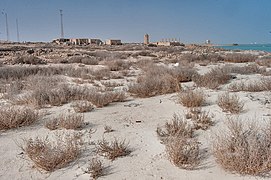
x,y
240,58
71,121
95,168
113,149
201,119
183,152
82,106
244,149
108,129
17,116
156,81
192,98
49,155
212,79
230,103
177,127
253,86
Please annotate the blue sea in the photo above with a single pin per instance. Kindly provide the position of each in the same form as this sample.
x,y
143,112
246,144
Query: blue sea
x,y
258,47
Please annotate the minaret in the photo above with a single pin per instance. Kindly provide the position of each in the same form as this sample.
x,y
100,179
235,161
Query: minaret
x,y
146,39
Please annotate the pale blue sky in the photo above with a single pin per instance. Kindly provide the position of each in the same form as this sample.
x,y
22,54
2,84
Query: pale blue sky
x,y
193,21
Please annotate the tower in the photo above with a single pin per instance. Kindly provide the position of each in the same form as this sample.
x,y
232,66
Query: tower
x,y
61,21
146,39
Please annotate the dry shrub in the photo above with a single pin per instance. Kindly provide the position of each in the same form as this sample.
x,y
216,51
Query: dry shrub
x,y
240,58
201,119
117,65
212,79
253,86
28,60
230,103
264,61
91,60
156,81
192,98
52,124
183,152
95,168
113,149
248,69
108,129
178,127
49,155
244,149
71,121
82,106
17,116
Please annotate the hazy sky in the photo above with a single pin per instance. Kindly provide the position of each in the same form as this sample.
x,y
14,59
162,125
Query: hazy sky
x,y
193,21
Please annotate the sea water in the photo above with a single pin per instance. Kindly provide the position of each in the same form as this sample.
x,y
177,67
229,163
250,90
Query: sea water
x,y
257,47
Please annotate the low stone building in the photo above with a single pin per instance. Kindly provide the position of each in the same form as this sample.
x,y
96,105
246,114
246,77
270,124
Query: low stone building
x,y
169,43
78,41
113,42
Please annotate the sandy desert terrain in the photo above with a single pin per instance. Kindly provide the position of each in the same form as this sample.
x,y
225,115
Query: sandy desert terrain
x,y
134,112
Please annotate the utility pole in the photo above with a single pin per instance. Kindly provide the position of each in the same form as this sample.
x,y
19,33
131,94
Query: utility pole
x,y
61,24
6,16
18,34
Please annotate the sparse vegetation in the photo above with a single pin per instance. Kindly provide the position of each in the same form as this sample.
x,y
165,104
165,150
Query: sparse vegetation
x,y
113,149
212,79
240,58
230,103
201,119
95,168
156,81
82,106
49,155
183,152
243,149
192,98
178,127
253,86
17,116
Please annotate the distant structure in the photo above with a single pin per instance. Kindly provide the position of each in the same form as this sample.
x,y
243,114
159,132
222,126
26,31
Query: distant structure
x,y
169,42
78,41
113,42
61,24
208,41
146,39
18,34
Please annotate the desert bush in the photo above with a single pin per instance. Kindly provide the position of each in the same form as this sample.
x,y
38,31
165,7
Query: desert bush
x,y
28,60
253,86
178,127
108,129
212,79
183,152
230,103
156,81
192,98
264,61
240,58
82,106
201,119
95,168
113,149
49,155
17,116
117,65
248,69
70,121
52,124
243,149
90,60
